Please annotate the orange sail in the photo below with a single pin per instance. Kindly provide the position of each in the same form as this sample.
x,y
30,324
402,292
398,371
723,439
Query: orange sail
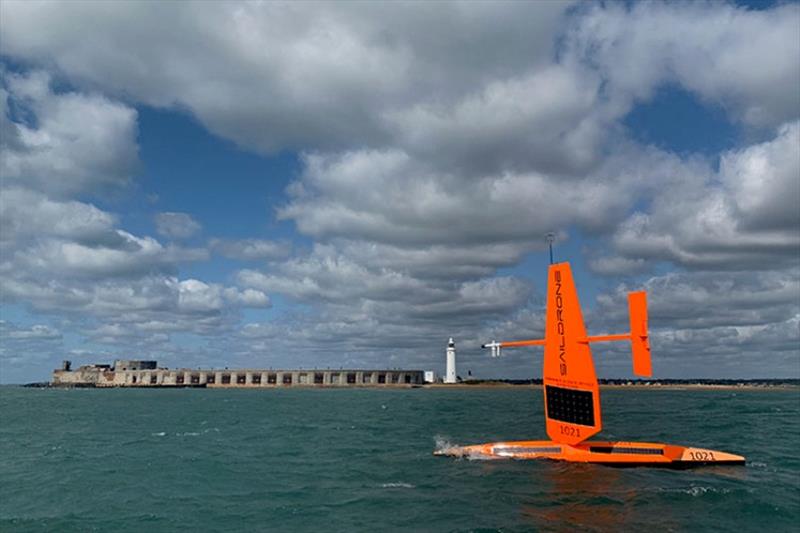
x,y
571,392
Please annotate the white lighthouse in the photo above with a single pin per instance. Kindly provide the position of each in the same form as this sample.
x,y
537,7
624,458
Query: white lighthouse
x,y
450,375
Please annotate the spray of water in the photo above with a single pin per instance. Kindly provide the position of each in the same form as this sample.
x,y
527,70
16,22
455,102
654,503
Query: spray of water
x,y
443,445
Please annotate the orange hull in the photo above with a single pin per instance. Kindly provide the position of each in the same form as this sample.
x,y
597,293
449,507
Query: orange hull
x,y
605,453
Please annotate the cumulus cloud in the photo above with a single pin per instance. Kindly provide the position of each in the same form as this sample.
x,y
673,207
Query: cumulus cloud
x,y
744,216
763,181
66,258
25,348
744,59
25,214
469,84
329,276
195,295
438,145
176,225
153,306
316,74
37,331
129,256
680,300
64,143
390,197
350,288
438,261
540,121
250,249
732,324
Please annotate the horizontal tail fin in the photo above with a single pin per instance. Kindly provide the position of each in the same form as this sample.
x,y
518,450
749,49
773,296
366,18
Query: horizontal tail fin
x,y
640,341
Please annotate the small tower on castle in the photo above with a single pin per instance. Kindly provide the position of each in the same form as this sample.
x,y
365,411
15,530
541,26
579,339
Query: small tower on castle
x,y
450,375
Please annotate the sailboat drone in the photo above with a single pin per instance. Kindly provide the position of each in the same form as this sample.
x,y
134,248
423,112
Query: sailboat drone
x,y
572,395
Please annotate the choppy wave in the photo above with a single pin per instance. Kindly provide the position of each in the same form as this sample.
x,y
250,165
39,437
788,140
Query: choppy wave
x,y
697,490
95,460
185,433
398,485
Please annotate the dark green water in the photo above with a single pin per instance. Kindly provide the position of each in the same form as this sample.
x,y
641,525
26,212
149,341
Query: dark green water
x,y
360,460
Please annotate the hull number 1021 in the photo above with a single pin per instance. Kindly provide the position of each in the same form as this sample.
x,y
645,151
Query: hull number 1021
x,y
701,456
570,431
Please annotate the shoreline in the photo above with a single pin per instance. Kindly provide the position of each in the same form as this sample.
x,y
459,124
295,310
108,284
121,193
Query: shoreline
x,y
487,385
636,386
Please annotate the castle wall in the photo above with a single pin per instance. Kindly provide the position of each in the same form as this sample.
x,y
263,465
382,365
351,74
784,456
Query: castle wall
x,y
237,378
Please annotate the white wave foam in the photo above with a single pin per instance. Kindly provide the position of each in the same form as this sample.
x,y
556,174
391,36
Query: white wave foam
x,y
442,444
698,490
197,433
398,485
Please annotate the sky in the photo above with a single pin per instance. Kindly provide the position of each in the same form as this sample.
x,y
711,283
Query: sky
x,y
297,185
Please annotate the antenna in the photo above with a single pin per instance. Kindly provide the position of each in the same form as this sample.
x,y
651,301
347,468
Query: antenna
x,y
550,238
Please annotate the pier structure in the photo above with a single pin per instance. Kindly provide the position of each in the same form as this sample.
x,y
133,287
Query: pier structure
x,y
132,373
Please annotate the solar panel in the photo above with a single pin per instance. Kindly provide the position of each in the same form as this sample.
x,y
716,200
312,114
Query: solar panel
x,y
570,405
622,449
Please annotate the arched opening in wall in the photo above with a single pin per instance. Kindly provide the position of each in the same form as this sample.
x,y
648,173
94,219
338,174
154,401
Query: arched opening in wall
x,y
351,377
211,378
408,378
287,379
381,378
179,379
240,379
272,379
256,379
195,379
318,378
226,379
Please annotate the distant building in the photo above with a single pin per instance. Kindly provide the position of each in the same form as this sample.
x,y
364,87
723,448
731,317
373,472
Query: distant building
x,y
134,364
430,376
136,373
450,375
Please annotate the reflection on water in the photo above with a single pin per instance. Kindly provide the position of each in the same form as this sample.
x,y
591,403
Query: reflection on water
x,y
586,497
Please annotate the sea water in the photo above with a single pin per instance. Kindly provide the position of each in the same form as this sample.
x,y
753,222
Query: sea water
x,y
361,460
